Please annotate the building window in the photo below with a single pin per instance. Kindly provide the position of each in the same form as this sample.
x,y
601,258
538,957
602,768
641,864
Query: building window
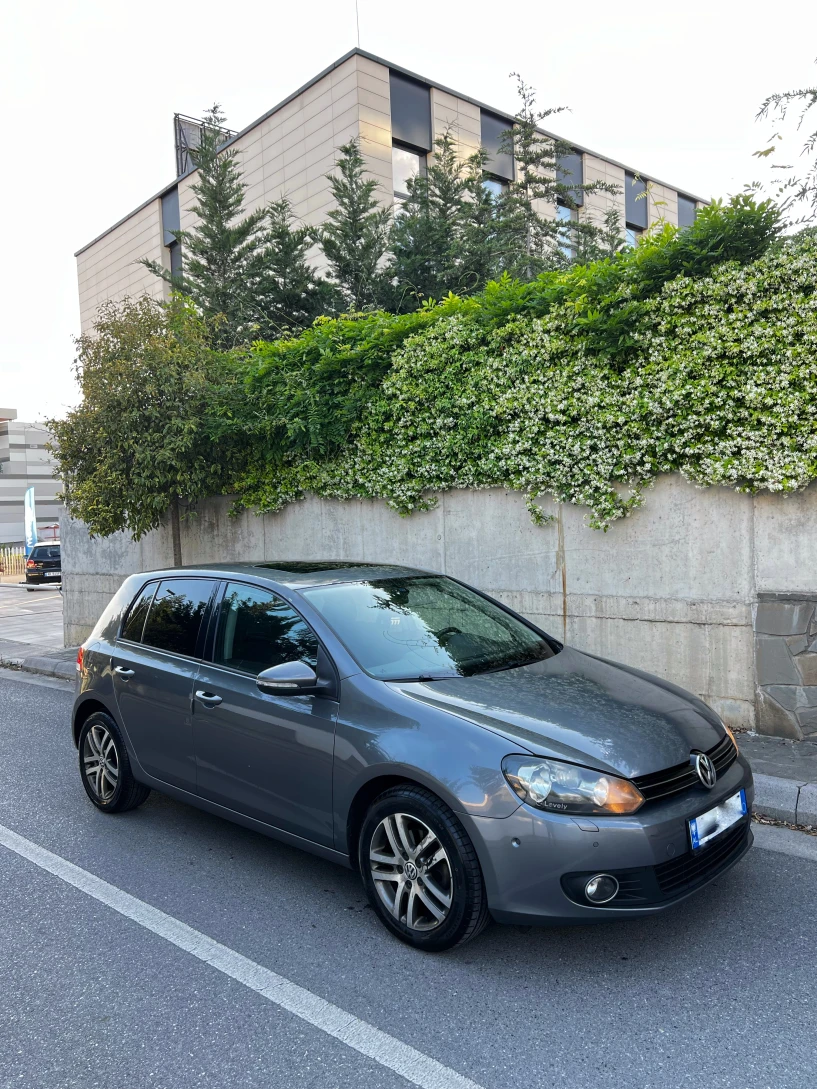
x,y
635,201
410,112
636,210
405,164
494,187
567,217
171,223
687,208
492,127
570,171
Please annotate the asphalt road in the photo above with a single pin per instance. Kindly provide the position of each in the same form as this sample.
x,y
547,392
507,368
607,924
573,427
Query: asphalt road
x,y
719,993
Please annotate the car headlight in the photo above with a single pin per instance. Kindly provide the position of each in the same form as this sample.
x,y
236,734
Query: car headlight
x,y
568,788
734,739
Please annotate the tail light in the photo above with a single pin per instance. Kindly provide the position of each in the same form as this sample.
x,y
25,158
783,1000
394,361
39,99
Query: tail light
x,y
30,563
80,656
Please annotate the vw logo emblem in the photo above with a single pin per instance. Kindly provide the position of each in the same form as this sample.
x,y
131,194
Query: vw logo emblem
x,y
410,871
705,769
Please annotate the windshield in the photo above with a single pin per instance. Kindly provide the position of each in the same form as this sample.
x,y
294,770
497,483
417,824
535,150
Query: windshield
x,y
425,628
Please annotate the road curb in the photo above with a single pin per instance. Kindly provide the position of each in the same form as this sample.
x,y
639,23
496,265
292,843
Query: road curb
x,y
49,667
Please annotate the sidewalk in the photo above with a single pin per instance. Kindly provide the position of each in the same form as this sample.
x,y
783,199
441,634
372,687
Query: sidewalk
x,y
785,772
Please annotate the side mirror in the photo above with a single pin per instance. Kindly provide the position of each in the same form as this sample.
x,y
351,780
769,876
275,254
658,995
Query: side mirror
x,y
288,679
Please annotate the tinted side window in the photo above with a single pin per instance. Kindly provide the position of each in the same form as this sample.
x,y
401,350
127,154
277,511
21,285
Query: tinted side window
x,y
258,630
133,626
176,614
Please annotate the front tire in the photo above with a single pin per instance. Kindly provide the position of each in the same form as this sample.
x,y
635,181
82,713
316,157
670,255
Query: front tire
x,y
420,870
104,766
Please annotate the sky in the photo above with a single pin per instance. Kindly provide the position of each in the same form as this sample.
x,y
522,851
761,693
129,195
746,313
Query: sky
x,y
89,90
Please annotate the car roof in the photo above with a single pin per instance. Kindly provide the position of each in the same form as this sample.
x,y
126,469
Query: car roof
x,y
300,574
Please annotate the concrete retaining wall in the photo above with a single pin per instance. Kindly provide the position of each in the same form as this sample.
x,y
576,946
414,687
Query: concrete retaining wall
x,y
673,589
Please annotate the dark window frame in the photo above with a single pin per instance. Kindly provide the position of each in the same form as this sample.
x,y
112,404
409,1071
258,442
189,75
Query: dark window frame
x,y
634,186
568,177
412,131
692,204
501,163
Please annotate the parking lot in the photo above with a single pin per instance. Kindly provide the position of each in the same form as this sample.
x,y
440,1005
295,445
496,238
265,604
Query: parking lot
x,y
168,948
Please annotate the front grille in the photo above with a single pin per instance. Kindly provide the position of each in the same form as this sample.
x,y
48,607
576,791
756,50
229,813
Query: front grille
x,y
684,873
662,784
651,885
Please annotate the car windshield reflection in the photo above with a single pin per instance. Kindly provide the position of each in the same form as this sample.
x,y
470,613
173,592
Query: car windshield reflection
x,y
425,628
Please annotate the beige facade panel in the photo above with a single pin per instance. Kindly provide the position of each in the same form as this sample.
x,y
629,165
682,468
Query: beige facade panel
x,y
110,269
290,152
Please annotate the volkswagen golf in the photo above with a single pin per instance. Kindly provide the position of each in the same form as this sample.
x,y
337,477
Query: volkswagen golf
x,y
402,723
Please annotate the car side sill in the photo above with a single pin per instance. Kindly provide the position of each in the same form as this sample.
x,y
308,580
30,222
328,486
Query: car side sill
x,y
270,830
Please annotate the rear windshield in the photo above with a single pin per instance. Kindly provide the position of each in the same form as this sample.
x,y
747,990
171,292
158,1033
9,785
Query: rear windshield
x,y
45,552
425,628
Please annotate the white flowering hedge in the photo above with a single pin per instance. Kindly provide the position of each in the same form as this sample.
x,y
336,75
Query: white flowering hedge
x,y
720,386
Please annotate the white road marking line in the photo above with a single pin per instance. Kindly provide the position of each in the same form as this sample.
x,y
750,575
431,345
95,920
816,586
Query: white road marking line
x,y
785,841
413,1065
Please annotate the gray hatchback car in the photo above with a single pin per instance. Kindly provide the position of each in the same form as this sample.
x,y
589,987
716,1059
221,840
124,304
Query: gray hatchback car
x,y
400,722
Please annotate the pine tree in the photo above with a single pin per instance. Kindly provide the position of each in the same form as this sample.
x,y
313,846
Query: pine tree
x,y
428,228
444,237
288,294
220,253
530,240
355,236
479,242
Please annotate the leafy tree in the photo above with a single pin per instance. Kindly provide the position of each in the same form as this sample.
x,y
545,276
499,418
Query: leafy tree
x,y
142,439
221,251
355,236
288,294
531,241
795,187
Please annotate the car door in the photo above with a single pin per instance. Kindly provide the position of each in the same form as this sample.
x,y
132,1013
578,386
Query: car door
x,y
267,756
154,667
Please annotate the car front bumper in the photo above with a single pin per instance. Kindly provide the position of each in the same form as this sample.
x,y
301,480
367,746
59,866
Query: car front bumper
x,y
528,857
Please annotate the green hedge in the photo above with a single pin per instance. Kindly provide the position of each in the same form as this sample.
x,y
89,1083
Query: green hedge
x,y
583,385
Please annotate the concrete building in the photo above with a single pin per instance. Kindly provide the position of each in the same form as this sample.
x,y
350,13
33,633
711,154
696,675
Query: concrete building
x,y
25,462
288,151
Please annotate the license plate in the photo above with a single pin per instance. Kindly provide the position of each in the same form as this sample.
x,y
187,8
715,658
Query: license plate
x,y
52,574
703,829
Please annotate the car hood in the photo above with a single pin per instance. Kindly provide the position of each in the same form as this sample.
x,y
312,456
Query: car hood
x,y
583,709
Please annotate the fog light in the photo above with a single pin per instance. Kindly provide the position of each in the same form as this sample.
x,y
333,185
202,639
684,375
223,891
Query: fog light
x,y
601,888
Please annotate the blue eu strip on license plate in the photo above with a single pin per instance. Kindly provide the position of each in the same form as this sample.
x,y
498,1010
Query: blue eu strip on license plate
x,y
703,829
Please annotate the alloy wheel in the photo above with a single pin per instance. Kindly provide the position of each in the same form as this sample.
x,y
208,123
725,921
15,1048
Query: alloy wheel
x,y
411,871
100,761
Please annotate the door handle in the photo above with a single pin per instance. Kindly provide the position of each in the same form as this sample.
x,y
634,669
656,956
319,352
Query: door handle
x,y
123,671
209,699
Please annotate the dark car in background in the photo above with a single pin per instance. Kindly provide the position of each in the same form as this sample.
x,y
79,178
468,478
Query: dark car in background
x,y
44,565
402,723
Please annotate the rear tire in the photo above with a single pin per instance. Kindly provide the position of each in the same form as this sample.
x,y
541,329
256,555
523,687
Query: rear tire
x,y
420,870
104,766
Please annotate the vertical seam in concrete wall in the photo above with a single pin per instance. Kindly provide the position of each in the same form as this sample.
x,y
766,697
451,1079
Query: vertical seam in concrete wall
x,y
561,560
442,530
752,609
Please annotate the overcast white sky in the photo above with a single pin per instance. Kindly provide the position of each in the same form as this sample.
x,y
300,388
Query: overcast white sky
x,y
90,87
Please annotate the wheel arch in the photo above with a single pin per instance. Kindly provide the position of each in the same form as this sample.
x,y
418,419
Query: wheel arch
x,y
83,711
373,788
